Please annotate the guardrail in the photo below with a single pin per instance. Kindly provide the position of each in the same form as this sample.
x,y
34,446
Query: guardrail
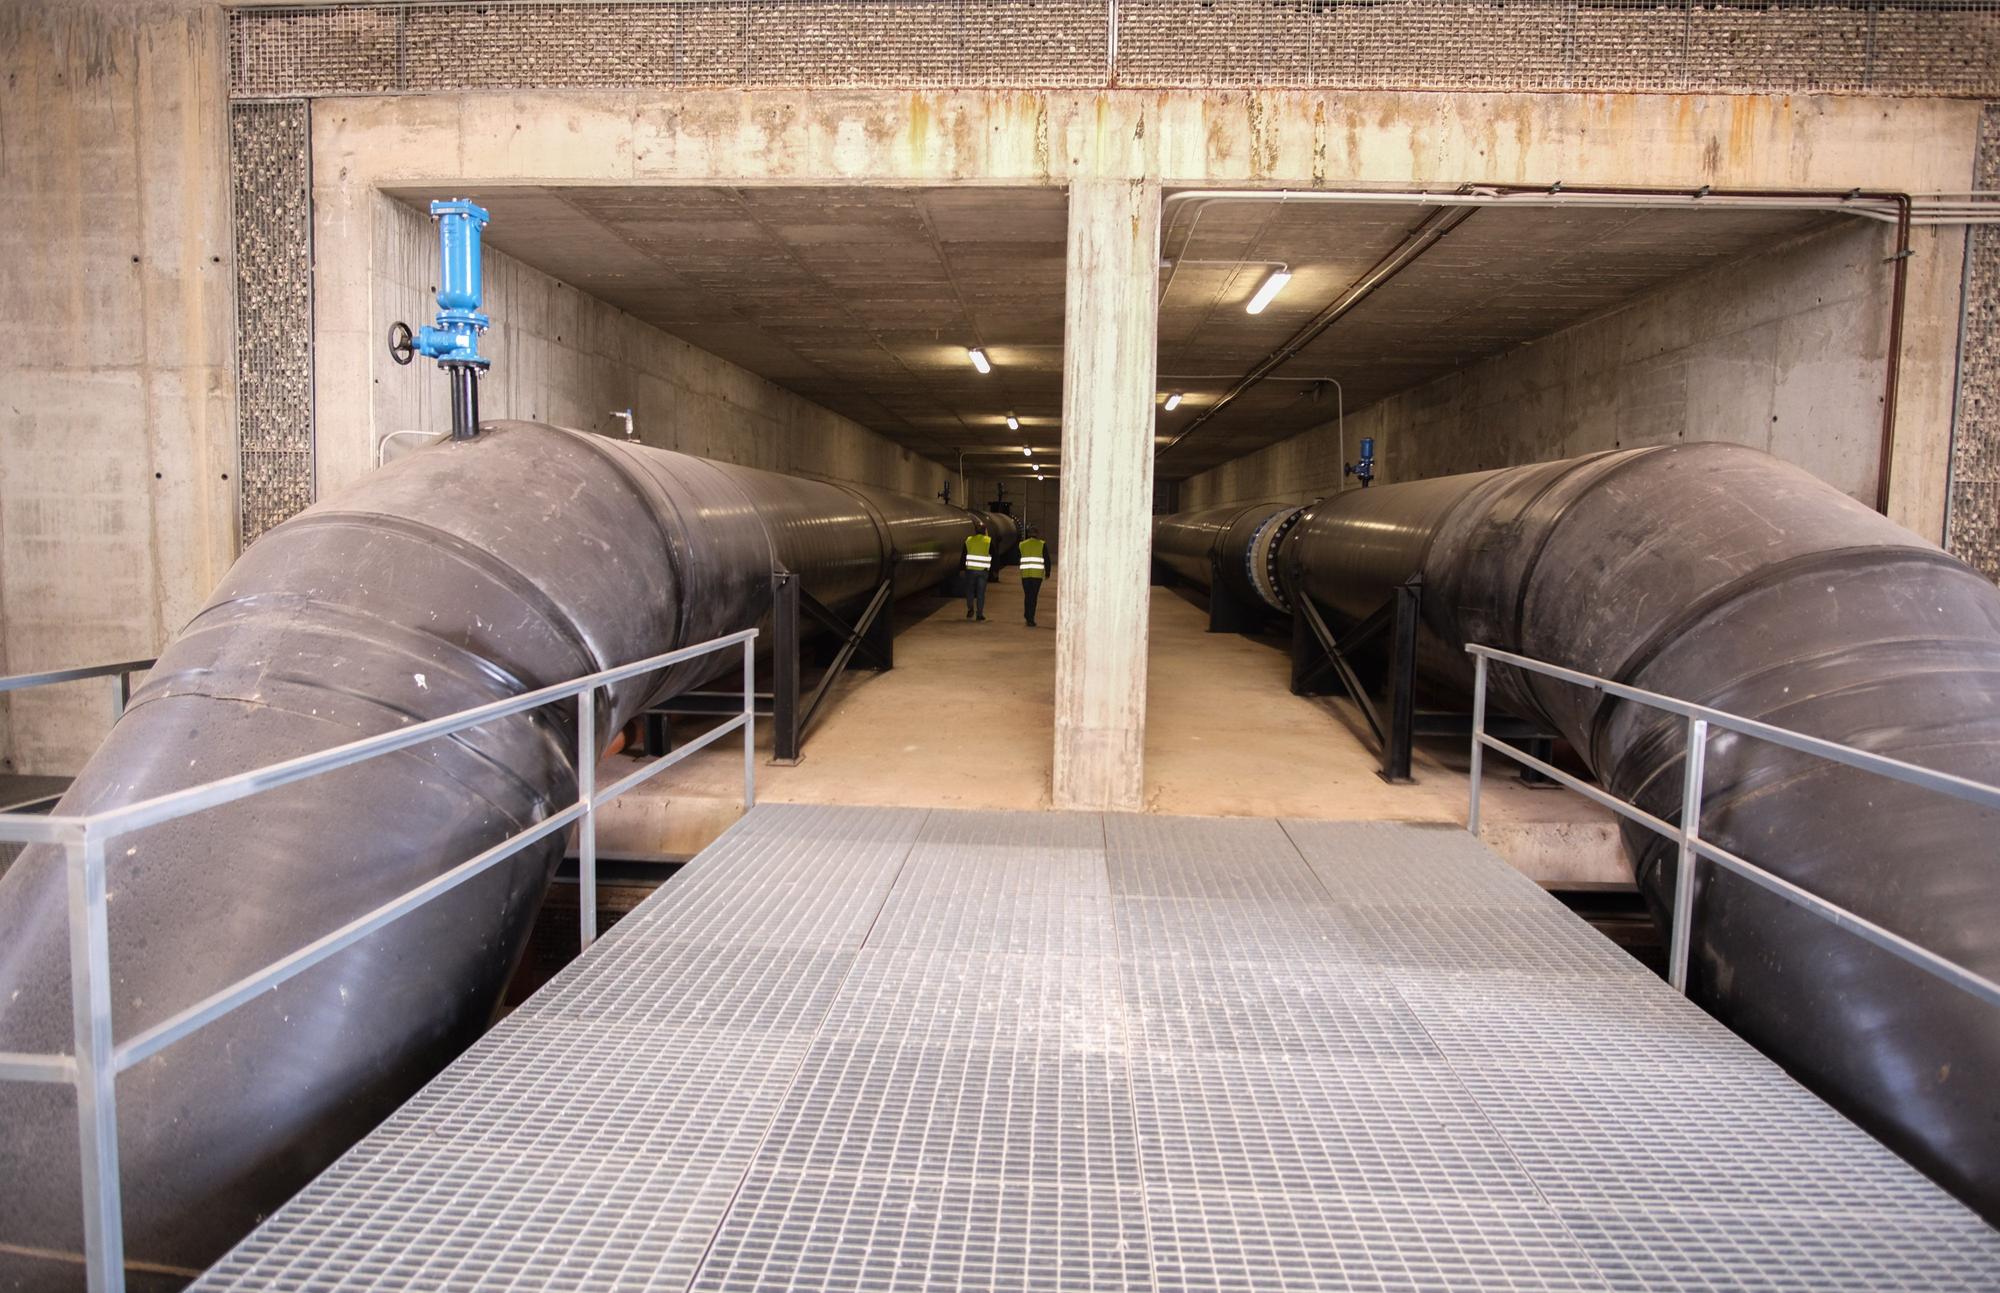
x,y
98,1058
1687,834
122,671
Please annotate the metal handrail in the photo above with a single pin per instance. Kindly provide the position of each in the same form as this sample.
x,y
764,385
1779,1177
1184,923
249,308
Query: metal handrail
x,y
1687,834
98,1059
122,670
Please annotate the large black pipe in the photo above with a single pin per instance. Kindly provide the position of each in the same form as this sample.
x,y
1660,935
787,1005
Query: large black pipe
x,y
1005,532
469,572
1238,544
1720,575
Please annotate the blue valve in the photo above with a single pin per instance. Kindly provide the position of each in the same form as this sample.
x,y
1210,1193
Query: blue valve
x,y
1364,471
454,341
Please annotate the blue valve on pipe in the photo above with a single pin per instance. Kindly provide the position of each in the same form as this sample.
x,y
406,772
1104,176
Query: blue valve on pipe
x,y
1364,471
454,341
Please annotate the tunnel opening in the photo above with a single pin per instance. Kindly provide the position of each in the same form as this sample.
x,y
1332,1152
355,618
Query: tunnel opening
x,y
1410,341
1513,335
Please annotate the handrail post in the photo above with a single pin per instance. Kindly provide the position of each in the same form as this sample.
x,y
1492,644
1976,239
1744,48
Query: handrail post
x,y
1694,769
121,696
586,826
96,1074
1478,742
749,723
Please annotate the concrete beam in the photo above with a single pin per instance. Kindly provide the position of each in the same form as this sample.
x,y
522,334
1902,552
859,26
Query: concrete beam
x,y
1182,137
1110,335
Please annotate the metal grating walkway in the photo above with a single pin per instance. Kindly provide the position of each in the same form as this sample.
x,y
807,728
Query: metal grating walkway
x,y
857,1048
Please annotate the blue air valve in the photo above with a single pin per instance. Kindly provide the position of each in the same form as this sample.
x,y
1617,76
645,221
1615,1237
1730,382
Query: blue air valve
x,y
454,341
1364,471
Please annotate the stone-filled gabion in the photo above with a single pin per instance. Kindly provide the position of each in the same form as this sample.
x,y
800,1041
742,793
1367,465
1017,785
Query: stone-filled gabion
x,y
1974,532
1877,46
268,145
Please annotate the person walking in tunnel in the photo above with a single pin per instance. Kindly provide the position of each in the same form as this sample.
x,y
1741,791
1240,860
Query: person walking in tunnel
x,y
978,565
1034,569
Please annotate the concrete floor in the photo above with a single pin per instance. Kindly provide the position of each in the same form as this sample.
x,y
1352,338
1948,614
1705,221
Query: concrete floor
x,y
964,721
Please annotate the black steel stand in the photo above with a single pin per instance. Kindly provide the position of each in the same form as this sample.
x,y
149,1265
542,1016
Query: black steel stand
x,y
1227,613
1326,664
871,636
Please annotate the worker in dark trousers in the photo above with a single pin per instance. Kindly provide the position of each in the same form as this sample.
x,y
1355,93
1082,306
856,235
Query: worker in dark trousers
x,y
1034,569
978,565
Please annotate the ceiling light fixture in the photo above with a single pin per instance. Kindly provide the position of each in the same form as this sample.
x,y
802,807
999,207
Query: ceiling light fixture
x,y
978,356
1013,423
1174,400
1026,452
1272,286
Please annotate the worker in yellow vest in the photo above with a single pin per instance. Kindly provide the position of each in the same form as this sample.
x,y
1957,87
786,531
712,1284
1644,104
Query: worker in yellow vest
x,y
1034,569
978,565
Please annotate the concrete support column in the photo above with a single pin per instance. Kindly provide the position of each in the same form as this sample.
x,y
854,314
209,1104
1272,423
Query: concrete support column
x,y
1111,321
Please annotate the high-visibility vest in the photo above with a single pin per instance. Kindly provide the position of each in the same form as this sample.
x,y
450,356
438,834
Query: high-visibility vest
x,y
1034,562
979,553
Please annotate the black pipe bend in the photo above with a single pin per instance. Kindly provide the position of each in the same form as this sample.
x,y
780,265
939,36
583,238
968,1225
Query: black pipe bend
x,y
469,572
1717,574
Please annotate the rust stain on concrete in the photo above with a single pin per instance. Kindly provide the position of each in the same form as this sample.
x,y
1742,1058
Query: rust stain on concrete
x,y
1319,143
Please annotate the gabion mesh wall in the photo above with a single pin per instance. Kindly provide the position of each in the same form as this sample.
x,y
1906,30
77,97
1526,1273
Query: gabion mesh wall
x,y
269,146
1926,47
1974,530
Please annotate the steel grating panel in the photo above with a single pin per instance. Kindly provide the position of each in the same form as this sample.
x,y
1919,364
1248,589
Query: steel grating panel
x,y
1231,859
1231,932
1409,864
810,1233
1387,1124
869,1048
1666,1250
1472,940
874,1107
1242,1240
1187,1007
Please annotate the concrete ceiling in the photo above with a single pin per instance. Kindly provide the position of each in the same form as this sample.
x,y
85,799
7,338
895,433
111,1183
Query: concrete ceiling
x,y
865,299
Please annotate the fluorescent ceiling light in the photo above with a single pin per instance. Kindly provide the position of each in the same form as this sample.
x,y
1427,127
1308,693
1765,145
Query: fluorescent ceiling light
x,y
978,356
1174,400
1026,452
1013,423
1272,286
1038,475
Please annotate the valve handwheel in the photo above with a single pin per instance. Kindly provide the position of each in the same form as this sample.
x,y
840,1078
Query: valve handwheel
x,y
402,343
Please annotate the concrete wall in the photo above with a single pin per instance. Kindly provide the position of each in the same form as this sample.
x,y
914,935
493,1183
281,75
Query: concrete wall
x,y
1783,350
562,356
1182,137
116,305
